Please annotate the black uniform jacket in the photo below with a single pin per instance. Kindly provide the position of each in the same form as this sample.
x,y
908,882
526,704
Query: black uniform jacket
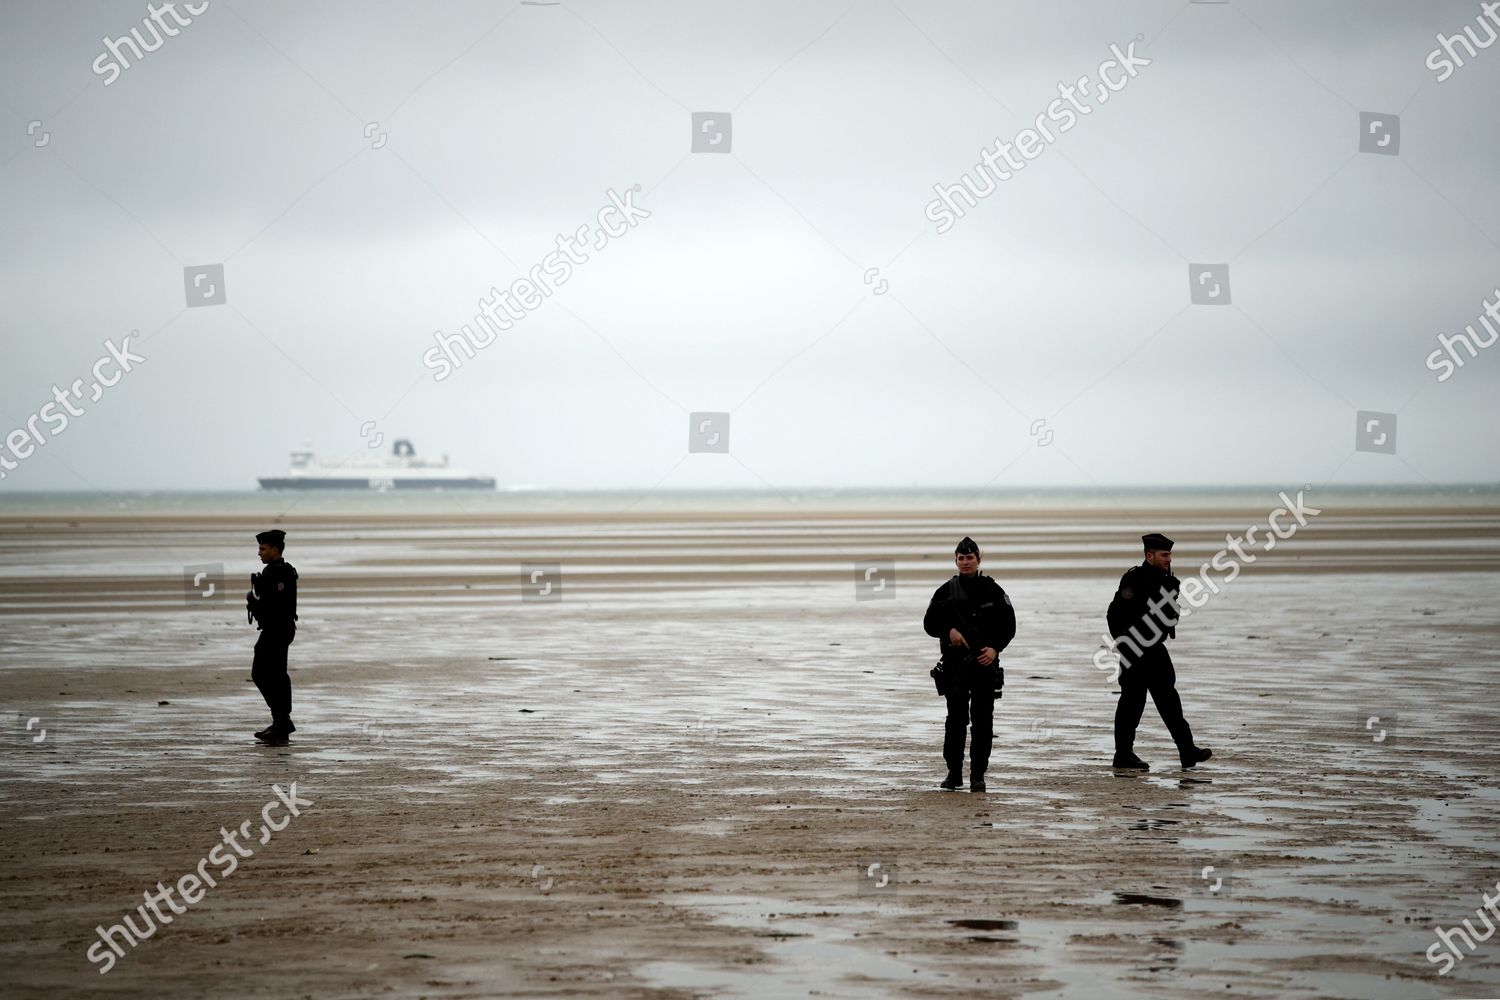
x,y
1130,609
275,606
984,617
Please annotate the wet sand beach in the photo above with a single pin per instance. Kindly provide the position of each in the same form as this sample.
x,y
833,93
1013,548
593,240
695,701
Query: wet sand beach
x,y
702,766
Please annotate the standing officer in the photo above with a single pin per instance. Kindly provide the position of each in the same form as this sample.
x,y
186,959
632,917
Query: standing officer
x,y
1142,617
272,604
973,621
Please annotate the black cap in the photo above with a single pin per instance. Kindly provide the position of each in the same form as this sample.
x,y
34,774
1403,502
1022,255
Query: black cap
x,y
1157,541
275,537
966,546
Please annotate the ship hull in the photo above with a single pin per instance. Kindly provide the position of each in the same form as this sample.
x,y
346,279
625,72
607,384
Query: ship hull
x,y
374,483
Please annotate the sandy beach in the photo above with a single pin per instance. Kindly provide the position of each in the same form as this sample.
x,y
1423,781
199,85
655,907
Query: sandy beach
x,y
704,766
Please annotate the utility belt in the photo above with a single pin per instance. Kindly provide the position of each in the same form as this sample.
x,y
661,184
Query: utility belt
x,y
967,675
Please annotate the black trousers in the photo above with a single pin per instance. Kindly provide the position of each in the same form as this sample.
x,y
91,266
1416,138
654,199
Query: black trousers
x,y
269,671
965,705
1152,675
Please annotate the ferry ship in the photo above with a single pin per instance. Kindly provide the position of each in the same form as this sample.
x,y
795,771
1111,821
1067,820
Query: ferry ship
x,y
400,470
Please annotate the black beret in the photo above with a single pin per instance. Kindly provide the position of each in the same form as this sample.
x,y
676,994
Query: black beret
x,y
967,545
1157,541
275,537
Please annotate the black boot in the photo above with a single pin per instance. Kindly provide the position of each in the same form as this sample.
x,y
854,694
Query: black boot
x,y
276,734
1195,756
1129,762
976,782
954,780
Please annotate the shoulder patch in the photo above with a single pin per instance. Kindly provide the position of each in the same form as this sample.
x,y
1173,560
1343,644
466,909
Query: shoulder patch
x,y
1126,593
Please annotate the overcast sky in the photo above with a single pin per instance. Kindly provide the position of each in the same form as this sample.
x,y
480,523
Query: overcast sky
x,y
366,172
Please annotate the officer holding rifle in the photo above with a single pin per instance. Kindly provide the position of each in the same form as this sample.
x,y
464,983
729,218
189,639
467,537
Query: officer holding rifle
x,y
272,605
973,621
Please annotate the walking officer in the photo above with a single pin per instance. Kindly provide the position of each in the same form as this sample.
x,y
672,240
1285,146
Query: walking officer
x,y
272,605
1142,617
973,621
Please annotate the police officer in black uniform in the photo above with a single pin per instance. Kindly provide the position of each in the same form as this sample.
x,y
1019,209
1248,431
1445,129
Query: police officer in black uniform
x,y
1142,617
973,621
272,605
